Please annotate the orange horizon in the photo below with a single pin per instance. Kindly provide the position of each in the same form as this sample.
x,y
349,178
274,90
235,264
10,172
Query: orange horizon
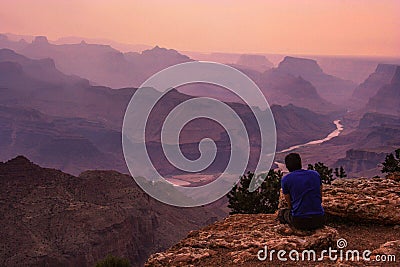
x,y
302,27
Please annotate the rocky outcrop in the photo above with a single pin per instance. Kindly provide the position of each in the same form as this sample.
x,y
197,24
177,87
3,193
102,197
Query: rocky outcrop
x,y
255,62
367,145
41,69
151,61
370,120
40,40
389,95
382,76
375,200
388,248
5,42
354,69
50,218
280,87
237,240
371,200
329,87
358,160
300,66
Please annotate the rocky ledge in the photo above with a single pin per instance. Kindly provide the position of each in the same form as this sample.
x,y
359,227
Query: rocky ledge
x,y
238,239
375,200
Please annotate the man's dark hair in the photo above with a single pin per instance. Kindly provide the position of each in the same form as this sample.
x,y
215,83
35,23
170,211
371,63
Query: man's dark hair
x,y
293,162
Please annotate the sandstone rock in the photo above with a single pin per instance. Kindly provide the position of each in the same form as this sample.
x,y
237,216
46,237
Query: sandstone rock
x,y
375,200
237,239
394,176
357,160
240,237
388,248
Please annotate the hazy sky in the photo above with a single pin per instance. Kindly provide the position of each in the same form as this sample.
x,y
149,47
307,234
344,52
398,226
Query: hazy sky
x,y
334,27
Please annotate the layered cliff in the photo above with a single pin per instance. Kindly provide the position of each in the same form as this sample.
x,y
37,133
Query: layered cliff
x,y
389,95
50,218
382,75
361,160
333,89
255,62
367,145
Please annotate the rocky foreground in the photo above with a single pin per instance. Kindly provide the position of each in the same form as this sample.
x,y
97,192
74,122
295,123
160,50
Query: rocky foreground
x,y
375,200
236,241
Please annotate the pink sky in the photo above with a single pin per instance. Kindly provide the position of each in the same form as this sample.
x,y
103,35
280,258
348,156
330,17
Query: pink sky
x,y
335,27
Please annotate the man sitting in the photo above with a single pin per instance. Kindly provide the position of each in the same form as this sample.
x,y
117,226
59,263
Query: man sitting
x,y
302,190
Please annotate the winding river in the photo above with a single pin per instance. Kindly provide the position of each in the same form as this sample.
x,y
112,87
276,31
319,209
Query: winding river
x,y
339,128
335,133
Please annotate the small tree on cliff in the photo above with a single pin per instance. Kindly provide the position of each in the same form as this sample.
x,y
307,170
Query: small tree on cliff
x,y
263,200
326,173
392,162
340,172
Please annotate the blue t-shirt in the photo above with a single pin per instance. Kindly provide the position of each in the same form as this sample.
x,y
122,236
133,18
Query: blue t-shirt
x,y
304,188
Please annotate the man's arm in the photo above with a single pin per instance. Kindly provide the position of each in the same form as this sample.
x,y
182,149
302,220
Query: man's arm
x,y
321,191
285,192
287,199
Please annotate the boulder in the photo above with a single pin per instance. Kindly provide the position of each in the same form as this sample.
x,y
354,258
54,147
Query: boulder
x,y
375,200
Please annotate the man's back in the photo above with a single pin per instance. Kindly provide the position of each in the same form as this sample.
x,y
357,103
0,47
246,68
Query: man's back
x,y
304,188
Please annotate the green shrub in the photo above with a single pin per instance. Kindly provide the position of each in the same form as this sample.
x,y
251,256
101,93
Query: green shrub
x,y
392,162
340,172
324,171
263,200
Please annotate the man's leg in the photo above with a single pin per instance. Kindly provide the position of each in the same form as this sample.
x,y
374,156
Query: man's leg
x,y
309,223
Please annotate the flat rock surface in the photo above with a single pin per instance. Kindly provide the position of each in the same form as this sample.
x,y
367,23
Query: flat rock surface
x,y
240,237
375,200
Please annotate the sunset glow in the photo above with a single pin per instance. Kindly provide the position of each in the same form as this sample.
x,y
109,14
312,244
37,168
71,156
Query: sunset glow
x,y
339,27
